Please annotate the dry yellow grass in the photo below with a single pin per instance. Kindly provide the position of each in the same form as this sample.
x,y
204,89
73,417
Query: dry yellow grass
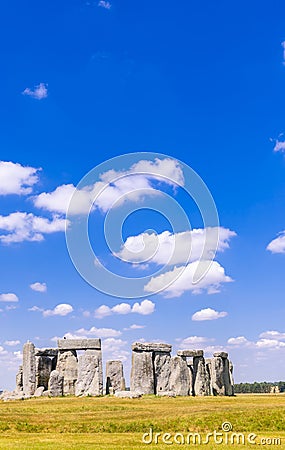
x,y
111,423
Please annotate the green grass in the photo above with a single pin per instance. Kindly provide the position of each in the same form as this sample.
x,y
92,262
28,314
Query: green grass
x,y
111,423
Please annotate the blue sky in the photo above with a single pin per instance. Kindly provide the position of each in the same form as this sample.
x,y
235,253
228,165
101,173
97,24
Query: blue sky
x,y
200,82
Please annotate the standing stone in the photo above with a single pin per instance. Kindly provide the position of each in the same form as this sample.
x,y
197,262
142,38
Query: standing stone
x,y
55,385
19,379
217,376
29,369
114,376
227,377
220,374
43,370
90,375
232,378
179,382
208,369
191,379
201,377
142,373
67,367
161,371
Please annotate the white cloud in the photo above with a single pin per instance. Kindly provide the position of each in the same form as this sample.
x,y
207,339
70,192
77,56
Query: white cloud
x,y
22,226
12,343
104,4
270,344
208,314
38,92
113,188
238,341
278,244
175,248
17,179
273,335
60,310
122,308
193,340
38,287
2,351
179,280
103,311
98,332
10,297
146,307
134,327
283,45
115,349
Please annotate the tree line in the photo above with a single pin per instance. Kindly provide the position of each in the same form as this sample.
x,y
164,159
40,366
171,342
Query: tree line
x,y
259,388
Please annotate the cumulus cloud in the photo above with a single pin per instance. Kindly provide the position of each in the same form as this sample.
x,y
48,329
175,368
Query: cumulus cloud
x,y
278,244
179,280
22,226
193,340
12,343
146,307
270,344
113,188
38,287
134,327
208,314
175,248
113,348
98,332
273,335
38,92
10,297
17,179
104,4
63,309
238,341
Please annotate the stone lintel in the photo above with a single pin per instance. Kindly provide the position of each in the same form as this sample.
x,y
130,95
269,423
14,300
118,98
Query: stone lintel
x,y
190,353
79,344
46,352
151,347
221,354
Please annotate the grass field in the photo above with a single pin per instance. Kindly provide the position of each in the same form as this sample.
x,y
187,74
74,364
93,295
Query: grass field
x,y
111,423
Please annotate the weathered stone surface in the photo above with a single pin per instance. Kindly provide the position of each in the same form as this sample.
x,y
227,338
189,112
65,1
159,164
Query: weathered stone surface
x,y
127,394
67,366
46,394
191,378
221,354
217,376
114,376
90,375
29,369
55,386
161,371
201,377
14,395
19,380
151,347
142,373
43,370
179,382
231,367
39,391
166,394
227,377
79,344
123,384
190,353
46,352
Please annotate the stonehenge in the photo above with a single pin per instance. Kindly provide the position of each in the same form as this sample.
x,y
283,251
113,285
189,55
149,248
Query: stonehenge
x,y
75,368
154,371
